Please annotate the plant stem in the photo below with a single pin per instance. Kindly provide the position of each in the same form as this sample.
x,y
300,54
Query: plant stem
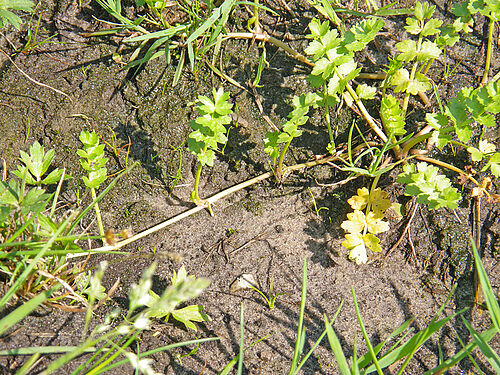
x,y
97,213
279,169
195,196
327,116
366,114
447,166
407,94
488,52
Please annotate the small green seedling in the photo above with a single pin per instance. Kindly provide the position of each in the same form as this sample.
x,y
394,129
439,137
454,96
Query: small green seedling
x,y
186,315
208,131
36,164
272,295
93,161
298,116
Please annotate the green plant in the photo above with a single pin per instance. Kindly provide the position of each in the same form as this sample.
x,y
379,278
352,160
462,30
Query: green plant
x,y
335,68
112,338
34,242
93,161
36,164
7,16
401,352
271,297
194,36
186,315
488,8
208,132
297,117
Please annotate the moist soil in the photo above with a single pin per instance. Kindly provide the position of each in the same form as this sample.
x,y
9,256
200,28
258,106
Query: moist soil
x,y
266,230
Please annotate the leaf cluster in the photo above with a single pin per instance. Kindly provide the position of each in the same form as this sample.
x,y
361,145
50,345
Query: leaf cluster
x,y
290,130
429,186
186,315
36,164
333,54
432,38
471,107
209,127
92,159
6,16
487,8
362,228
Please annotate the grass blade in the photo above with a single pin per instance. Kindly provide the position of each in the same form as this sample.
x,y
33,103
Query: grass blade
x,y
242,340
226,6
337,348
299,344
489,296
318,341
22,311
488,352
365,335
22,278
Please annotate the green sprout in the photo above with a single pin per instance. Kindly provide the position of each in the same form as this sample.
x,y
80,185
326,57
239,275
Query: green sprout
x,y
36,165
93,161
186,315
208,132
297,117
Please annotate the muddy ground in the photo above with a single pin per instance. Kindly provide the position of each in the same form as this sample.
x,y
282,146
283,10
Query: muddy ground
x,y
277,224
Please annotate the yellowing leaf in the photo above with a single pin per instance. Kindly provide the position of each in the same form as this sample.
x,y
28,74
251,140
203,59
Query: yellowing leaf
x,y
356,222
354,242
375,223
372,242
379,200
486,147
358,202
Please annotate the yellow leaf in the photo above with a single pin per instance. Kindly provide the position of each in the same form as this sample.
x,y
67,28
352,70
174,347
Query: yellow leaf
x,y
379,200
372,242
356,222
358,202
376,224
352,240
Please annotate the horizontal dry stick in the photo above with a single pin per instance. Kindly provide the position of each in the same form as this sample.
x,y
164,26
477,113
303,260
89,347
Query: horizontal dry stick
x,y
210,201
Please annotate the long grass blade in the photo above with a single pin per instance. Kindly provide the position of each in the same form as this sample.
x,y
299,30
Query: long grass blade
x,y
320,338
22,278
489,295
365,335
337,348
299,343
487,351
226,6
21,312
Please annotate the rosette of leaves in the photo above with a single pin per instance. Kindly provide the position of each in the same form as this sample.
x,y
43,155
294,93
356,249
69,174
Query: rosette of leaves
x,y
362,227
186,315
208,131
431,188
93,161
298,116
